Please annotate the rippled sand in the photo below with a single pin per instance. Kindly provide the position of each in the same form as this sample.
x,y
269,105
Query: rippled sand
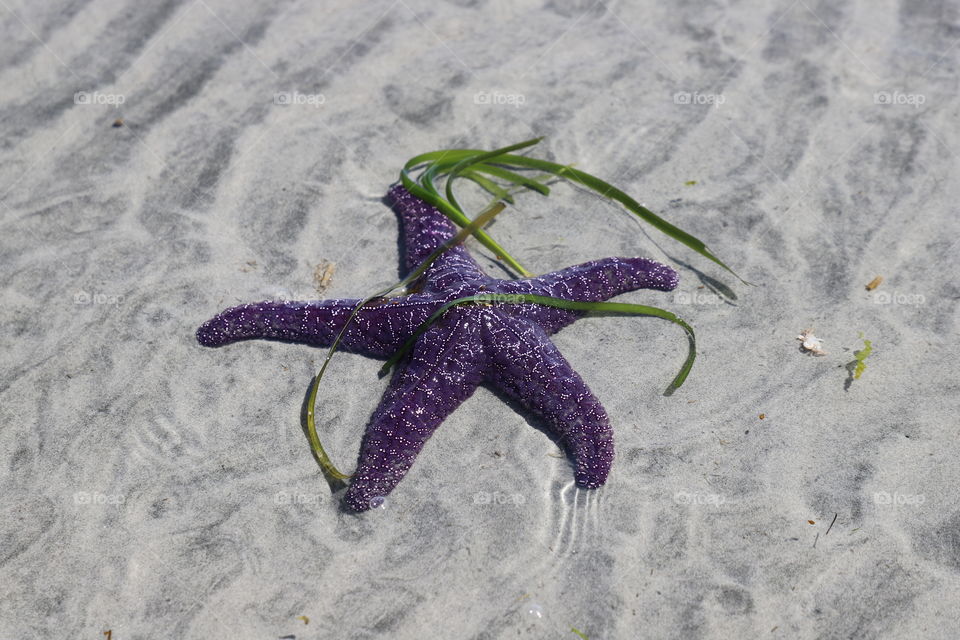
x,y
162,161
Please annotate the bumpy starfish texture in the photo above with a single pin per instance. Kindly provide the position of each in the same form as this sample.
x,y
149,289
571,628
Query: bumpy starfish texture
x,y
506,346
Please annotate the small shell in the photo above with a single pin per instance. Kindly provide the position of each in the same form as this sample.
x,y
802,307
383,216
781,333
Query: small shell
x,y
811,343
322,274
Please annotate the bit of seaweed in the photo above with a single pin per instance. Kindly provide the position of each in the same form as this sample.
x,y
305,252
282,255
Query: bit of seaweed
x,y
500,163
477,165
857,366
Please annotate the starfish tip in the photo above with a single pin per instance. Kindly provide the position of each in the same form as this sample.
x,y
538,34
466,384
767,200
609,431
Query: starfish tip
x,y
208,336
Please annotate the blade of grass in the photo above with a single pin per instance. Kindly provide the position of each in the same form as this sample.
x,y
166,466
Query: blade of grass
x,y
537,183
607,190
515,178
488,185
424,189
480,159
449,158
461,220
592,308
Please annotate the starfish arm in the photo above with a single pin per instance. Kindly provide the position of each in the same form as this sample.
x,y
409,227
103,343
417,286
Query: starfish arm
x,y
599,280
443,370
378,330
528,367
426,229
594,281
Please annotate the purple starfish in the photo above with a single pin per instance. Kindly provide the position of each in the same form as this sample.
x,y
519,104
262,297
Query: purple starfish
x,y
504,345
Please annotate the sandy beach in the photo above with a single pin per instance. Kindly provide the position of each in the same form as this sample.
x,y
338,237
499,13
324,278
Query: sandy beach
x,y
164,161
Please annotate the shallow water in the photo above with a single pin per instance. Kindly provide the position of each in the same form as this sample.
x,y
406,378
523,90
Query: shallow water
x,y
155,488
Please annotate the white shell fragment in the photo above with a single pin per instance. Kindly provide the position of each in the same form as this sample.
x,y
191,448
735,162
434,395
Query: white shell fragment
x,y
811,343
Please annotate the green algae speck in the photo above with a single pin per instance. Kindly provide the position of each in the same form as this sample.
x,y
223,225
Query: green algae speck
x,y
860,357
